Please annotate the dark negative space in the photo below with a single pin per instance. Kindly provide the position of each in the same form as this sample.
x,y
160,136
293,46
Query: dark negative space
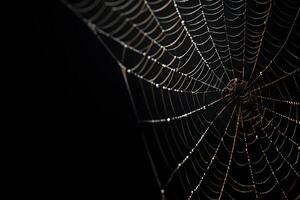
x,y
88,142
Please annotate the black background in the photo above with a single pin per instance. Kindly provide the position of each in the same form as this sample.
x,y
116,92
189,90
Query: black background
x,y
78,127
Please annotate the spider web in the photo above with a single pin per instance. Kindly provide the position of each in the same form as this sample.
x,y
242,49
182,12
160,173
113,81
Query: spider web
x,y
215,86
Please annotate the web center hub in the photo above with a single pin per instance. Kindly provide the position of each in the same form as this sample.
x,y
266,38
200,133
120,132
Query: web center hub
x,y
237,89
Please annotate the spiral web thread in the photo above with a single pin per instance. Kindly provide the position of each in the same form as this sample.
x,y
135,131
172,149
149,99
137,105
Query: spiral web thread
x,y
216,85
